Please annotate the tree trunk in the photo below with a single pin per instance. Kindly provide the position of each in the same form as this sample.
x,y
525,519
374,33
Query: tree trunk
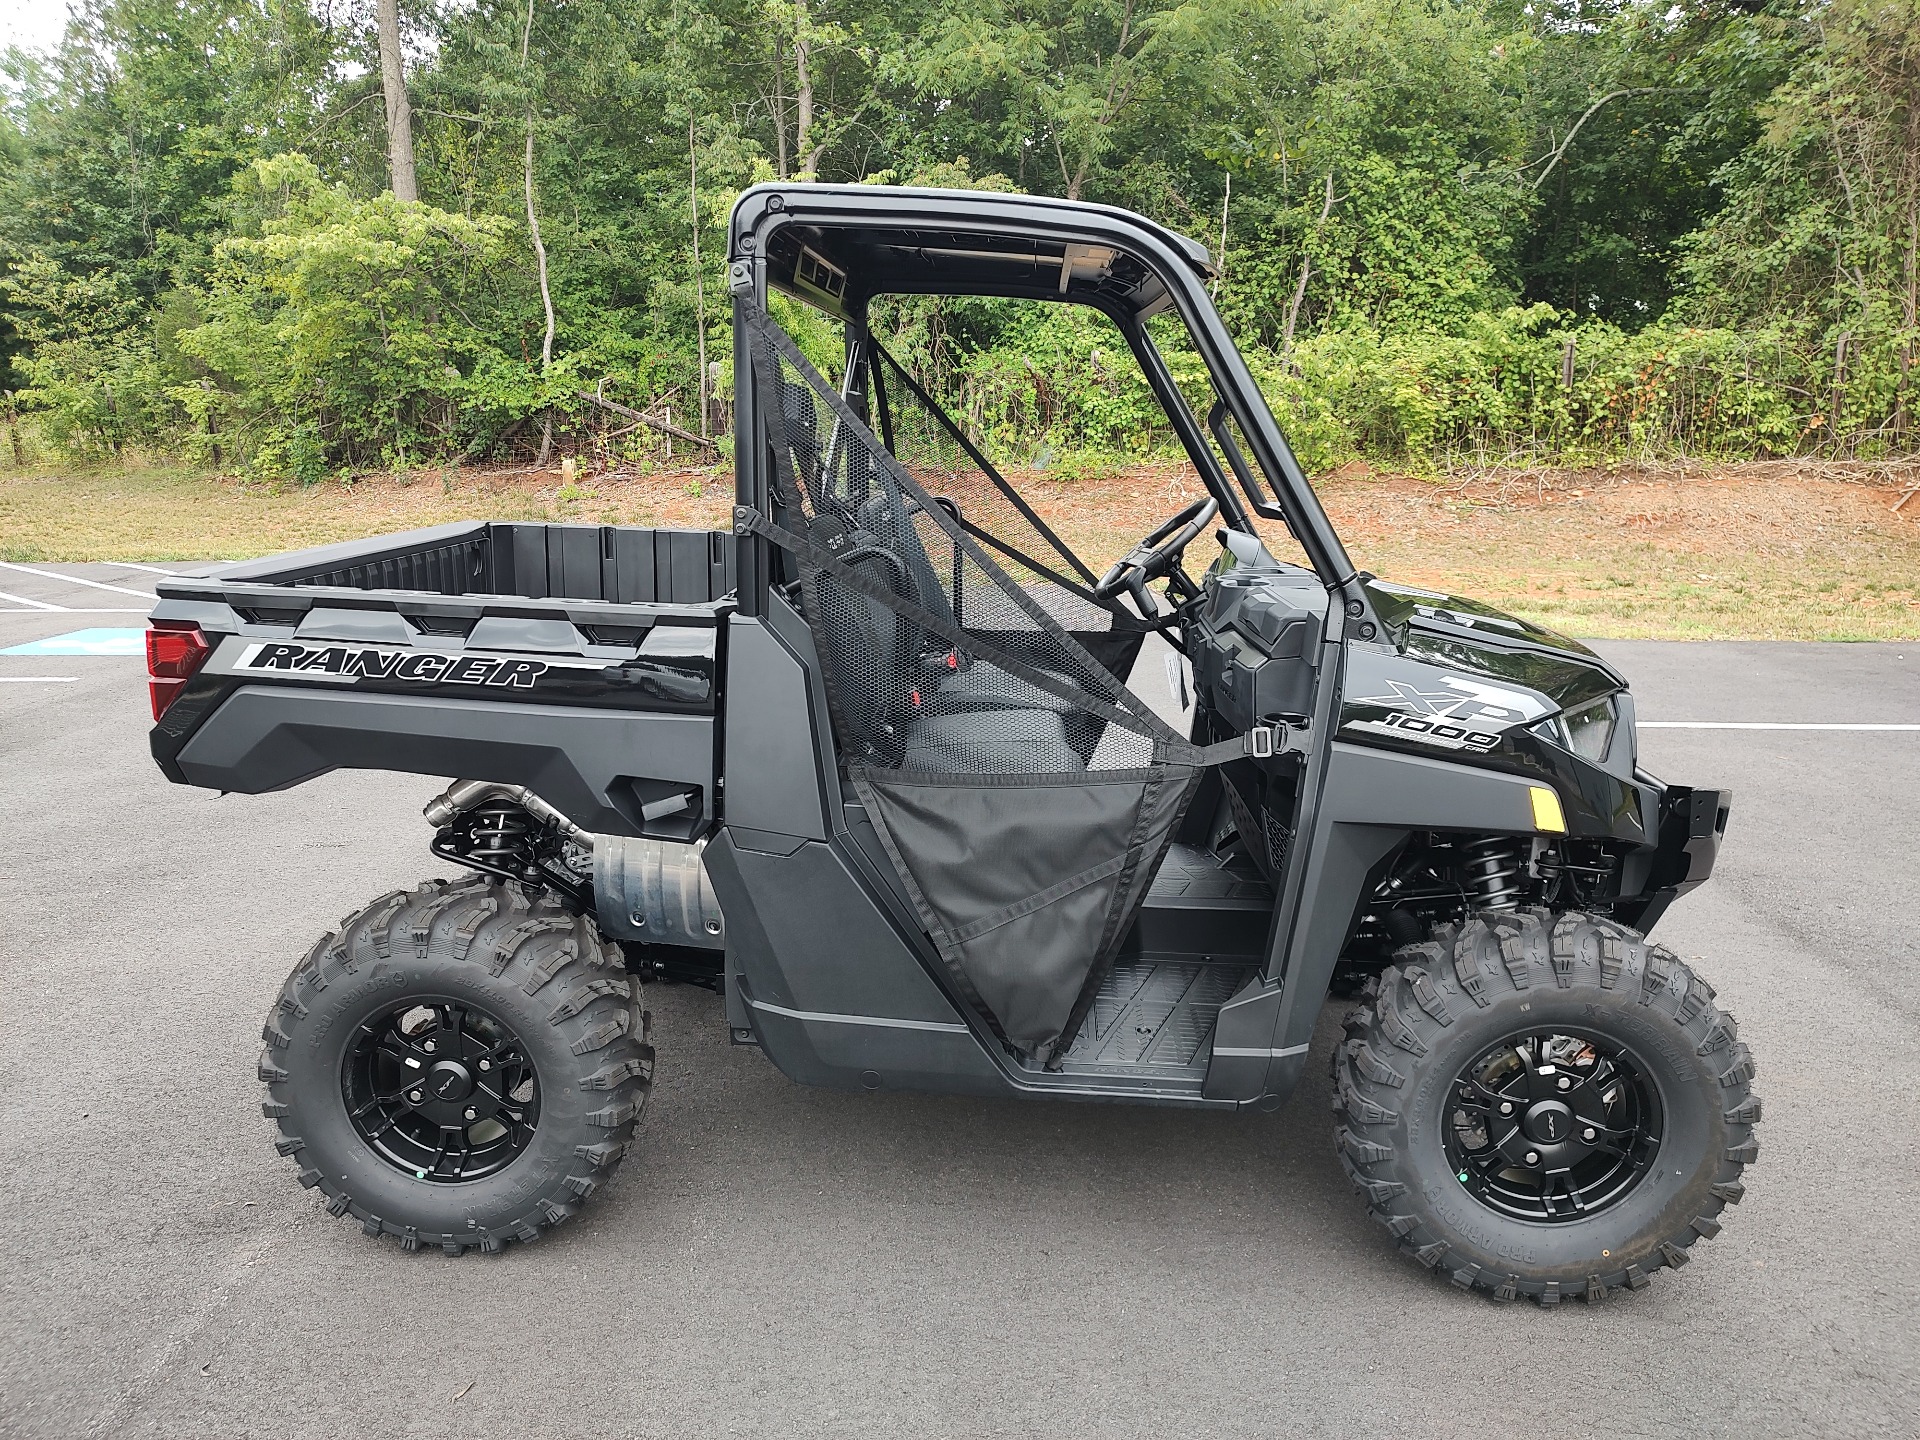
x,y
699,280
779,108
1839,404
533,217
1221,268
540,254
1118,96
12,413
803,90
1306,270
1909,268
539,245
399,112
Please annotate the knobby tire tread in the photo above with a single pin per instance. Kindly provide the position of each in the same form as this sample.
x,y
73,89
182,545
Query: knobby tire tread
x,y
527,939
1462,969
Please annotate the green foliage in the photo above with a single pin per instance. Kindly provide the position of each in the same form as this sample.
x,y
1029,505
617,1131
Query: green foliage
x,y
1821,229
356,329
89,362
1418,206
1049,381
1499,392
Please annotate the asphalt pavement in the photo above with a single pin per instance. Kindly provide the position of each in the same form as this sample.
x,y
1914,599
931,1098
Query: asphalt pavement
x,y
780,1261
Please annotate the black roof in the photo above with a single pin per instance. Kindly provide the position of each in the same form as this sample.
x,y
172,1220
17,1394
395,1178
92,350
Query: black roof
x,y
835,245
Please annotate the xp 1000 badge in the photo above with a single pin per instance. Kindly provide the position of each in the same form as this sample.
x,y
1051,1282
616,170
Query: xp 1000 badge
x,y
1454,712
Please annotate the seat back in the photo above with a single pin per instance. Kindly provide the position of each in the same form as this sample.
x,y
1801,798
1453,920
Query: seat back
x,y
871,650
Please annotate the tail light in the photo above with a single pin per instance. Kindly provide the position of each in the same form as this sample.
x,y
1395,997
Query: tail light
x,y
176,649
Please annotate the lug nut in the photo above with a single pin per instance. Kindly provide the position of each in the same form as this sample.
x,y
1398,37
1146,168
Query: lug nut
x,y
415,1096
1506,1107
1533,1157
471,1113
1565,1083
430,1046
486,1064
1587,1134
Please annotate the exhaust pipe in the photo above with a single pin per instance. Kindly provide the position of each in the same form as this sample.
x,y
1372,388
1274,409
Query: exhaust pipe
x,y
463,795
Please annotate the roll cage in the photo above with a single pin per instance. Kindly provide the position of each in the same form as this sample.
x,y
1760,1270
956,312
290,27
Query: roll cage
x,y
837,248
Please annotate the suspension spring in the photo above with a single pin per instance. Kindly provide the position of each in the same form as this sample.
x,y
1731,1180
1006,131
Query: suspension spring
x,y
500,834
1492,868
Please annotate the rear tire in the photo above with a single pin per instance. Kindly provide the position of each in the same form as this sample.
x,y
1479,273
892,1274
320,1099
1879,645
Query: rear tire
x,y
476,968
1581,987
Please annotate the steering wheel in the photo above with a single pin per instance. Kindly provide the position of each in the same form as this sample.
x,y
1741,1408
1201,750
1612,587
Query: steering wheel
x,y
1156,556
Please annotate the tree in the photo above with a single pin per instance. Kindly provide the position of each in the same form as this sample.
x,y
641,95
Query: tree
x,y
1430,200
1044,89
1821,227
393,80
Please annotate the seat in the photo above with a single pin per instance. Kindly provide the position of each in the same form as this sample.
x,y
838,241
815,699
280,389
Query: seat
x,y
892,688
975,688
980,720
992,742
987,687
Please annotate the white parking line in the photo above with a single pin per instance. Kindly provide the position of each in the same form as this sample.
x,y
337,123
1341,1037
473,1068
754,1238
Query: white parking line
x,y
150,569
75,580
1757,725
64,609
36,604
36,679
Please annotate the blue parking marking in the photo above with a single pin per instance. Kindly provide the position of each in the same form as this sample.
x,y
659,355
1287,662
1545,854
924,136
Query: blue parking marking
x,y
98,641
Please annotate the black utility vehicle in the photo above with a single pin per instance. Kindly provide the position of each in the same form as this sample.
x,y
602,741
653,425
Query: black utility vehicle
x,y
871,766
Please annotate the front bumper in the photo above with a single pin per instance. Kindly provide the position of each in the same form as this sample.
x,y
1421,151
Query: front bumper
x,y
1692,824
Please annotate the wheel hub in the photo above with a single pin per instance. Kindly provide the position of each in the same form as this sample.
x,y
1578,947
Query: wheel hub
x,y
1548,1123
441,1090
1552,1126
449,1081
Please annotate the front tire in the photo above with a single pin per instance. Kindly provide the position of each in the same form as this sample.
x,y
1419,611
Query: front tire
x,y
1544,1105
460,1065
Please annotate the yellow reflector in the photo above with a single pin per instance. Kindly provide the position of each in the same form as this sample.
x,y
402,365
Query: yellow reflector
x,y
1547,814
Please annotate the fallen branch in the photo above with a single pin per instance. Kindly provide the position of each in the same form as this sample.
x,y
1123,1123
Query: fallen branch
x,y
1553,158
641,417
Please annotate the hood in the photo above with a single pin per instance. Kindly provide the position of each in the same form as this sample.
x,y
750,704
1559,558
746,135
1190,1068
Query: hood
x,y
1467,635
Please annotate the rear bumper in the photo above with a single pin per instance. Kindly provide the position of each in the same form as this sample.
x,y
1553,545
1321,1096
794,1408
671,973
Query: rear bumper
x,y
1692,824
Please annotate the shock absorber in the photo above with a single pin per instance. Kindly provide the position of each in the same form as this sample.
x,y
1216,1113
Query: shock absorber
x,y
1492,868
500,831
509,831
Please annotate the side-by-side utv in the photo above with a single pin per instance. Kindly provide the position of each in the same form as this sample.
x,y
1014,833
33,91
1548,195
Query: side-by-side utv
x,y
934,804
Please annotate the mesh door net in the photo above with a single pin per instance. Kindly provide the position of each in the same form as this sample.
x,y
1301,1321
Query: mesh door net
x,y
1023,793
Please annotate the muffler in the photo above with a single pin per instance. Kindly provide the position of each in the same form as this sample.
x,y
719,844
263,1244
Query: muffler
x,y
655,891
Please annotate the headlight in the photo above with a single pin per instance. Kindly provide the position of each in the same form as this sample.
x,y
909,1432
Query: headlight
x,y
1589,730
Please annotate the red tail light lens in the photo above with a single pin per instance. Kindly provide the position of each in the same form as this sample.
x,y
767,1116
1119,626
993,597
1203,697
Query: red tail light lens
x,y
176,649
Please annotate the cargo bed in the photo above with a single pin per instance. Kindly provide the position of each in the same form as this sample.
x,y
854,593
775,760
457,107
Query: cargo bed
x,y
580,660
623,564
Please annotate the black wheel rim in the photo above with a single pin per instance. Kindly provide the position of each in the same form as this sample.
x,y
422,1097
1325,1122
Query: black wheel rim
x,y
441,1089
1552,1126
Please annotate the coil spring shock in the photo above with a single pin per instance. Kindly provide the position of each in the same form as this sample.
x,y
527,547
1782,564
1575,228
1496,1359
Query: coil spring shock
x,y
500,834
1492,867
